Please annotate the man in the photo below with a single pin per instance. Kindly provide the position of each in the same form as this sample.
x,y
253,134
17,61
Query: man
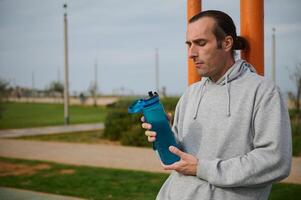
x,y
232,126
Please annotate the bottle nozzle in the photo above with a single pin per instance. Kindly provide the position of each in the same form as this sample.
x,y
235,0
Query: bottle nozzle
x,y
150,94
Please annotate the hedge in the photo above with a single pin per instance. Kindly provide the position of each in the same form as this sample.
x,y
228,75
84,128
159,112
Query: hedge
x,y
125,127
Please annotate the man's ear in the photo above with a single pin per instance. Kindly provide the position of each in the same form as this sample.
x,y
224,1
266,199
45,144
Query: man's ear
x,y
228,43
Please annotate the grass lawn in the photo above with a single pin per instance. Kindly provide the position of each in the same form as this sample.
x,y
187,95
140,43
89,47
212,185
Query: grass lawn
x,y
283,191
85,182
98,183
25,115
296,137
91,137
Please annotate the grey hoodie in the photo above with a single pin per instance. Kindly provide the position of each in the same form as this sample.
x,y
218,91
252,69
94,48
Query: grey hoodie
x,y
239,129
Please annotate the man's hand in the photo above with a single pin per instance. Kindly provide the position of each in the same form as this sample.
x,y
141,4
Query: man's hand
x,y
151,135
187,165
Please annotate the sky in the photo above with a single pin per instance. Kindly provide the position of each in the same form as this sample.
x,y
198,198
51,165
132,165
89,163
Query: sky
x,y
120,37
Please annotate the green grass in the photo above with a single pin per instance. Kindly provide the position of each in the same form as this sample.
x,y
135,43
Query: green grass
x,y
103,183
296,137
24,115
283,191
86,182
91,137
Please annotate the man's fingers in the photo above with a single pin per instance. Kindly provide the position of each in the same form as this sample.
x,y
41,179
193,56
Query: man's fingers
x,y
151,139
169,115
142,119
176,151
146,126
171,167
150,133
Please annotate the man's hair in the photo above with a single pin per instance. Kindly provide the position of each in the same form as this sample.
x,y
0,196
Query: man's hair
x,y
224,26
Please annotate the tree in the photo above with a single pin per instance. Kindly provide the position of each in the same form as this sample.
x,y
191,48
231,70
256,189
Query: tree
x,y
93,91
3,94
3,88
296,78
56,87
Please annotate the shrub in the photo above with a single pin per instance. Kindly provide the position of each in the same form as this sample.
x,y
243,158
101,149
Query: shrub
x,y
295,114
170,103
135,137
121,104
296,137
115,123
120,125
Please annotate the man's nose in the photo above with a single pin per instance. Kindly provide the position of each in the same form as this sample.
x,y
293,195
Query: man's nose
x,y
192,52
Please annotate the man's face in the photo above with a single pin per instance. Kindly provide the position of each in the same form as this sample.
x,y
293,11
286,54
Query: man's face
x,y
210,61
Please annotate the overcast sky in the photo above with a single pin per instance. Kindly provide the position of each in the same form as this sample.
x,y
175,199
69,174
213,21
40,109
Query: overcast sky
x,y
122,36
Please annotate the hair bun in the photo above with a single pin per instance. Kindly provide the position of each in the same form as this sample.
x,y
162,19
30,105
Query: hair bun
x,y
240,43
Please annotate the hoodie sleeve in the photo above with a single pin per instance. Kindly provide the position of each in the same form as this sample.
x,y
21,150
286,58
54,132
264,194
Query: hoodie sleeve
x,y
270,159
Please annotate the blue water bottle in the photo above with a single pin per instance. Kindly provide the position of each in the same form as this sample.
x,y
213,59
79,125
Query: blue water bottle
x,y
155,115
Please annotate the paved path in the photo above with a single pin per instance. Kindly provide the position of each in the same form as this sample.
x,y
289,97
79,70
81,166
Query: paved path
x,y
295,175
97,155
50,130
18,194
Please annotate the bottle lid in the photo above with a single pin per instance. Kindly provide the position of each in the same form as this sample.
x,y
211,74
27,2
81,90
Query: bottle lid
x,y
140,104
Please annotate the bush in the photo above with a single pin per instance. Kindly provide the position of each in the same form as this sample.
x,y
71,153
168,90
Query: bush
x,y
135,137
122,104
116,122
296,137
120,125
170,103
295,114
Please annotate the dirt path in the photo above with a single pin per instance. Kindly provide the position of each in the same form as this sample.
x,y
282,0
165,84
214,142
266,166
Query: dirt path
x,y
110,156
19,194
10,133
295,175
99,155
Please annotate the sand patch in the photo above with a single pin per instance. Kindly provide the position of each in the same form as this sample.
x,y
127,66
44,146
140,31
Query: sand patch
x,y
14,169
67,171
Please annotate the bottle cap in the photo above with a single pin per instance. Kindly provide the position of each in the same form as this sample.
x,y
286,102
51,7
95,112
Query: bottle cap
x,y
140,104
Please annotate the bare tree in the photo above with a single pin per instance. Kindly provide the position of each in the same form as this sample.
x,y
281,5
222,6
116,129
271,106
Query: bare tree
x,y
93,91
56,87
296,78
3,94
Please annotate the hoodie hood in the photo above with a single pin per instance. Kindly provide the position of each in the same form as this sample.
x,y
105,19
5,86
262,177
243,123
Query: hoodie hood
x,y
238,68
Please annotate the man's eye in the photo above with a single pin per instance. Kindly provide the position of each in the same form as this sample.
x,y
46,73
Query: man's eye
x,y
201,43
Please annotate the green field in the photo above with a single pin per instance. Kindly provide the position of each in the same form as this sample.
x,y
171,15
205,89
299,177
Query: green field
x,y
98,183
90,137
283,191
24,115
86,182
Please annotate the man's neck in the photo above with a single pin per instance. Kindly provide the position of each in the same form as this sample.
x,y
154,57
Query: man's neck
x,y
228,64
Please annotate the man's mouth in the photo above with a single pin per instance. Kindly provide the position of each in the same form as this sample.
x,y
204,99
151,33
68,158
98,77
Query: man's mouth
x,y
198,64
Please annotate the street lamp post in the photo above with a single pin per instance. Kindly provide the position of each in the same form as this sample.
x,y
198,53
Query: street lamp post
x,y
95,84
273,55
66,86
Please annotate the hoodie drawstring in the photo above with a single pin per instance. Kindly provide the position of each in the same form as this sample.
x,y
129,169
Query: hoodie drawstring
x,y
233,73
203,92
228,96
200,99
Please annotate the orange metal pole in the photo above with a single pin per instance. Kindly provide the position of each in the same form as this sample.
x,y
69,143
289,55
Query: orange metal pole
x,y
252,29
193,7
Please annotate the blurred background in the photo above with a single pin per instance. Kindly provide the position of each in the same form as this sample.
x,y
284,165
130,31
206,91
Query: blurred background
x,y
121,39
117,52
